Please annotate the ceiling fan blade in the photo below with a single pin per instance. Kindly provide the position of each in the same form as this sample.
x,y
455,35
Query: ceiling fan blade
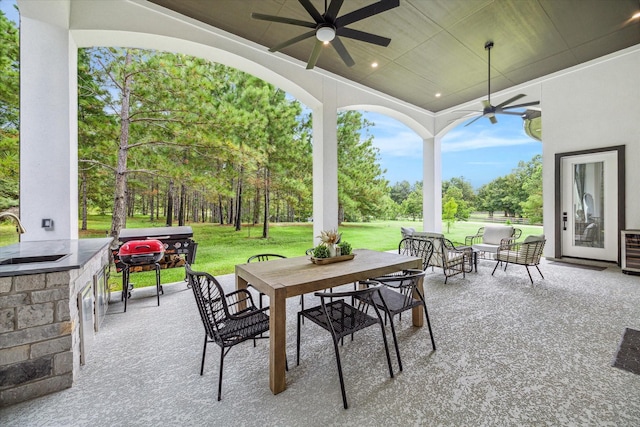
x,y
477,118
283,20
311,10
365,12
294,40
526,104
510,100
493,120
362,36
342,51
333,10
511,113
315,54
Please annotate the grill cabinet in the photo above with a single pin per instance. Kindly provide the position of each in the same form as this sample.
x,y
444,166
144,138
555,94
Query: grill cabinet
x,y
179,247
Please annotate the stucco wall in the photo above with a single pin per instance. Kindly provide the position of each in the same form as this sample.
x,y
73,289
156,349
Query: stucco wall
x,y
597,106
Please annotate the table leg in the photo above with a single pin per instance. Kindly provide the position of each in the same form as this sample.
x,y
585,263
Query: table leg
x,y
417,313
277,340
241,284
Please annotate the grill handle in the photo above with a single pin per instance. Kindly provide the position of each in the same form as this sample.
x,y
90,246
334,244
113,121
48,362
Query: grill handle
x,y
158,237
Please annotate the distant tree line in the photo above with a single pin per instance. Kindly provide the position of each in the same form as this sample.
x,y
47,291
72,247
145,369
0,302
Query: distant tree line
x,y
516,195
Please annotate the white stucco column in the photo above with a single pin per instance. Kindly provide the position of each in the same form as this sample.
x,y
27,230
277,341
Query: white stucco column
x,y
431,184
325,161
48,131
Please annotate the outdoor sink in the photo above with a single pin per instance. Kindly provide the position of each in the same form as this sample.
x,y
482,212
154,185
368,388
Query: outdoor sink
x,y
32,259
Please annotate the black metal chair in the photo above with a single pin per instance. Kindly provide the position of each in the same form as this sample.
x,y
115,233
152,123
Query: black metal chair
x,y
417,247
225,322
266,257
400,293
342,319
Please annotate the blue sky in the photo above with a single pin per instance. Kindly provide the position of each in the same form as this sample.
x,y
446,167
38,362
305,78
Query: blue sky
x,y
480,152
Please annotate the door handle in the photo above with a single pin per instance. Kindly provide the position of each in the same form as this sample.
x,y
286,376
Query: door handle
x,y
564,221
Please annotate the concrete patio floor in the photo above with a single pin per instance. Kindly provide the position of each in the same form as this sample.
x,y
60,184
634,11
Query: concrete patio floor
x,y
508,353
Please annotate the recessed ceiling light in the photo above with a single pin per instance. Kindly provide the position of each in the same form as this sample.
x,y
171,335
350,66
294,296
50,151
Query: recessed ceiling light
x,y
438,95
374,64
636,15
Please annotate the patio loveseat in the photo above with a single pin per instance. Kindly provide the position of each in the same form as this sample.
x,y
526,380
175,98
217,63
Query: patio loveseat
x,y
489,238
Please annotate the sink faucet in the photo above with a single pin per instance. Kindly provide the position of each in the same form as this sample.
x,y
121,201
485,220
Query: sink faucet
x,y
19,226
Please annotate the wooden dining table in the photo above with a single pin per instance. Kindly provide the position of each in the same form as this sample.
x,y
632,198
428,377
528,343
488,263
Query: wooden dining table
x,y
289,277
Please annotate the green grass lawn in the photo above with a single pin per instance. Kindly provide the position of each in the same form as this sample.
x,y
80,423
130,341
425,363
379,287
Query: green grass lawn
x,y
220,248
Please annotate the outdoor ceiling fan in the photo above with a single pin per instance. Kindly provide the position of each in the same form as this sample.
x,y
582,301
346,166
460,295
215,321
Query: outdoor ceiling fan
x,y
489,111
328,26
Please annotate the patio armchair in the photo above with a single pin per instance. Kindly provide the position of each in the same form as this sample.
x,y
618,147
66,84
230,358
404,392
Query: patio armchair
x,y
489,238
453,260
225,322
526,253
341,319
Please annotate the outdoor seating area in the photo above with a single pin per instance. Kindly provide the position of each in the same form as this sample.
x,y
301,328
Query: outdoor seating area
x,y
445,255
505,351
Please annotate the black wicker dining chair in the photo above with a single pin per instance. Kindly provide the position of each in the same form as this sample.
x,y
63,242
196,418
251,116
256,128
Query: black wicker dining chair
x,y
225,322
400,293
418,247
342,319
260,258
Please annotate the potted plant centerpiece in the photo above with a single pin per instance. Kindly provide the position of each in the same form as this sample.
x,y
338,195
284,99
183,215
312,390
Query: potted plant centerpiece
x,y
330,239
331,249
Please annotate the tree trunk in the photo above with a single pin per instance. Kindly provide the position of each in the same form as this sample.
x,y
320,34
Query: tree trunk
x,y
119,218
183,200
170,204
157,200
265,226
152,198
220,210
238,217
83,191
256,206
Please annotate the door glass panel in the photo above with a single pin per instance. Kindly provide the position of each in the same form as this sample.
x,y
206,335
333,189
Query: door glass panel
x,y
588,204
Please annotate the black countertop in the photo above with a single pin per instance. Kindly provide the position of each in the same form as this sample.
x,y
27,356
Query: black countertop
x,y
76,254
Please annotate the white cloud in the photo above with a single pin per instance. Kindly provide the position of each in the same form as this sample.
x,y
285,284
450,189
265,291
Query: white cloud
x,y
394,139
402,144
472,139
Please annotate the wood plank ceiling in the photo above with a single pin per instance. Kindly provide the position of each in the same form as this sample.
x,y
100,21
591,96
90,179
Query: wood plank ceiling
x,y
438,45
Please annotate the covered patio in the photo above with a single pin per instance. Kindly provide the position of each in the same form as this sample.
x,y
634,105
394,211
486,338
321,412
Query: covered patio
x,y
509,353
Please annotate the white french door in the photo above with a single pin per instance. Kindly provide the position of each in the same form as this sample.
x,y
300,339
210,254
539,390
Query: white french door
x,y
589,221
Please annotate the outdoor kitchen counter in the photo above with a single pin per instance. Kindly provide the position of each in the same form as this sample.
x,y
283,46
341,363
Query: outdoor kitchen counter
x,y
76,254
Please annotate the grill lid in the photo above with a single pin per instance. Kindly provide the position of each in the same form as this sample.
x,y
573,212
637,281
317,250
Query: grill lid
x,y
160,233
137,252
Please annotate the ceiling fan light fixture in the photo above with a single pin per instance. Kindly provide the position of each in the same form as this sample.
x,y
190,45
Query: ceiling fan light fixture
x,y
325,33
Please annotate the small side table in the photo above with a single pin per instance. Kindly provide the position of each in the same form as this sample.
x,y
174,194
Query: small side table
x,y
473,262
